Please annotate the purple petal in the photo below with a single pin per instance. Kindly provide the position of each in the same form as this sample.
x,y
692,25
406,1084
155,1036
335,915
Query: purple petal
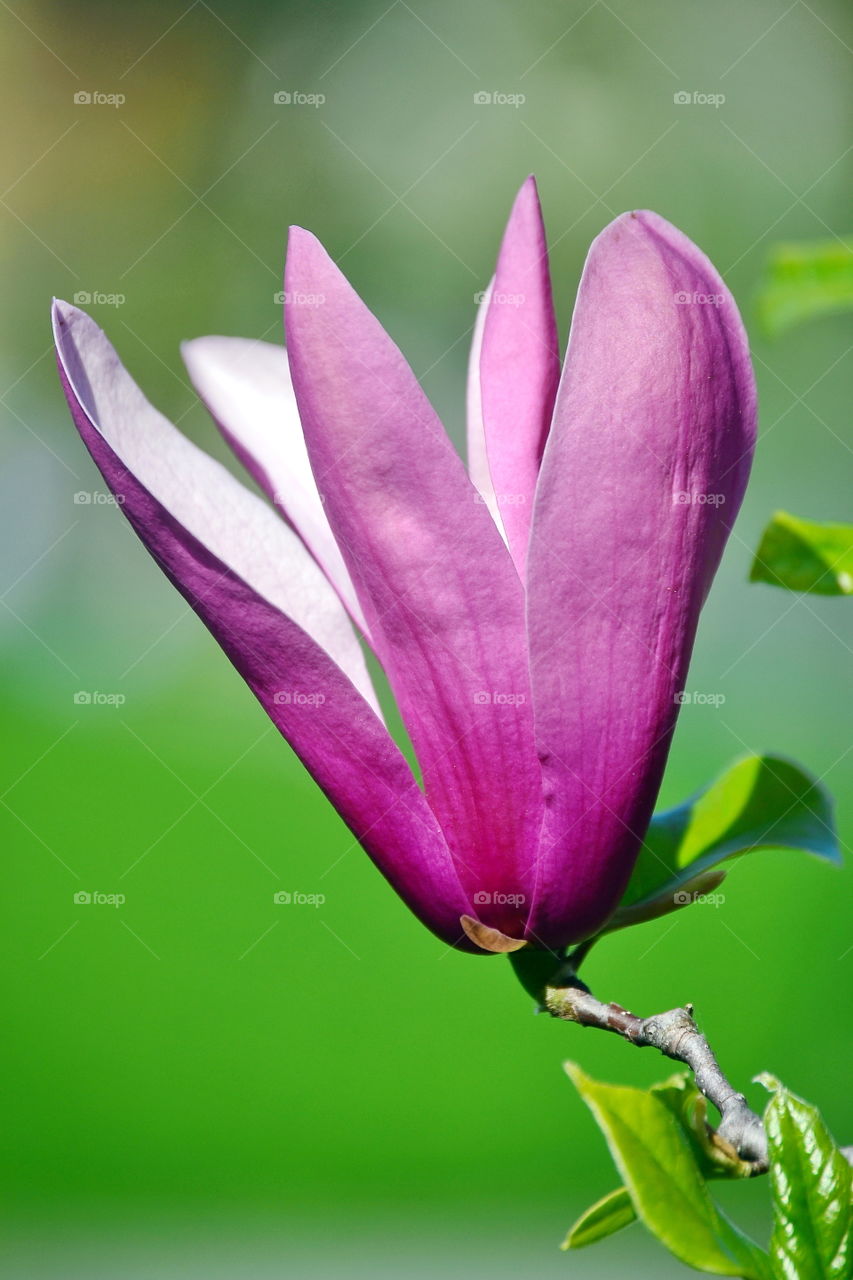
x,y
519,367
641,480
247,388
439,591
257,589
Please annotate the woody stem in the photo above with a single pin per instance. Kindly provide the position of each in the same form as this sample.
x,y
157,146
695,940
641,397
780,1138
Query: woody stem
x,y
676,1035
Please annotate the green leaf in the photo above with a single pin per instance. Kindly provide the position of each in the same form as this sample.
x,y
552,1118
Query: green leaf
x,y
760,802
666,1187
804,555
803,280
604,1218
812,1236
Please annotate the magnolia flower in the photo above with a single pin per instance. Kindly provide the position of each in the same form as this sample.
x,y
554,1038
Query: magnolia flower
x,y
534,614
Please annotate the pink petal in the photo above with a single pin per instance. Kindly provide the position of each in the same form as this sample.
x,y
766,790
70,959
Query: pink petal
x,y
642,477
439,591
263,598
247,388
519,367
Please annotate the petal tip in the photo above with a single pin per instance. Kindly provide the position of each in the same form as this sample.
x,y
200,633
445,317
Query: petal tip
x,y
64,316
61,312
302,241
527,202
194,351
306,259
657,224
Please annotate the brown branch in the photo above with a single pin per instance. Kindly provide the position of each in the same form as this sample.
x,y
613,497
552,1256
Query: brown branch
x,y
676,1035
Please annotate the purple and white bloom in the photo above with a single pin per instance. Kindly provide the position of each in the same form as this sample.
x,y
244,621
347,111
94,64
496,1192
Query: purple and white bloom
x,y
534,613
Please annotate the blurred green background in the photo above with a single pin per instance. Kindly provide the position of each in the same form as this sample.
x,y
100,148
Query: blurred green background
x,y
200,1083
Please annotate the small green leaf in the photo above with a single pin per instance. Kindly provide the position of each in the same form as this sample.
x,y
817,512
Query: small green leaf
x,y
760,802
604,1218
812,1233
803,280
666,1187
804,555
